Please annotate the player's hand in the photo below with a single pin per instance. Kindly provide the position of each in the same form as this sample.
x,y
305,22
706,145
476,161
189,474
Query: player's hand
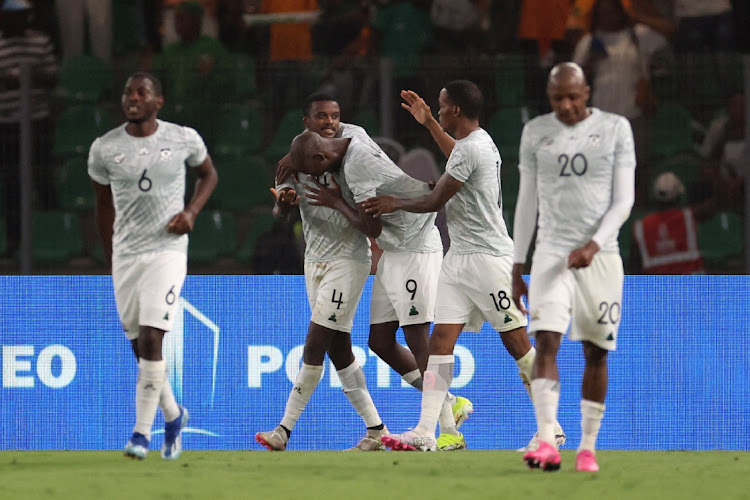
x,y
286,197
285,170
519,287
582,257
381,205
416,106
181,223
324,196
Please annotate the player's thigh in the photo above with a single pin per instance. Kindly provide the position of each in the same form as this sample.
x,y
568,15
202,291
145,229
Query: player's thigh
x,y
160,288
551,288
405,288
126,276
597,302
488,281
334,290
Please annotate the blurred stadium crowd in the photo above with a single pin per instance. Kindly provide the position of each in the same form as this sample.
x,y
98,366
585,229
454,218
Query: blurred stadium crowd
x,y
237,71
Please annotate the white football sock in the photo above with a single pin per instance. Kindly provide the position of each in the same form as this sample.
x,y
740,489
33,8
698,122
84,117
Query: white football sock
x,y
151,375
305,384
525,366
167,402
592,413
546,396
437,380
447,422
414,379
355,387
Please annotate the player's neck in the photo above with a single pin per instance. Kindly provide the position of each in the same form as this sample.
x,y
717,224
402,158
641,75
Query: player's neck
x,y
142,129
465,128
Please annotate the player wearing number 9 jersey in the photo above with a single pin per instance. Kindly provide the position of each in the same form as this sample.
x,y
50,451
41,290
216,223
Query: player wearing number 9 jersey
x,y
578,172
138,173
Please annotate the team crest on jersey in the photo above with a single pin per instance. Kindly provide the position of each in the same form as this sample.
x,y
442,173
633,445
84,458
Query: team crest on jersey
x,y
143,152
594,139
546,142
165,154
119,158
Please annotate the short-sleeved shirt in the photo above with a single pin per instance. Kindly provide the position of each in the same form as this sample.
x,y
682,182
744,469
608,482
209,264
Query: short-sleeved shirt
x,y
147,178
574,170
328,233
474,214
369,172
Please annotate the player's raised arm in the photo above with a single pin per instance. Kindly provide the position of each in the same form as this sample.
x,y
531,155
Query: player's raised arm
x,y
421,112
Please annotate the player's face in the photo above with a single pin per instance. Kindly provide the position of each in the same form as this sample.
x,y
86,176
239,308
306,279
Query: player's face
x,y
568,98
139,100
324,118
446,112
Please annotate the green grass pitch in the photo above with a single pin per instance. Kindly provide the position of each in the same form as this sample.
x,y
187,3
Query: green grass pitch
x,y
214,475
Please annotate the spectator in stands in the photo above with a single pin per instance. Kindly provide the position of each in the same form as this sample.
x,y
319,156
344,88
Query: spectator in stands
x,y
19,44
704,25
724,166
460,26
289,55
402,32
192,70
667,239
170,8
542,24
74,16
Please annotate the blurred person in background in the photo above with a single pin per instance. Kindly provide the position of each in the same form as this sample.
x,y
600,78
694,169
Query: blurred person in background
x,y
19,44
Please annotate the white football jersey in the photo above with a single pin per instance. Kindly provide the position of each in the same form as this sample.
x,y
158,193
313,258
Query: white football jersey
x,y
369,172
573,167
328,233
474,213
147,178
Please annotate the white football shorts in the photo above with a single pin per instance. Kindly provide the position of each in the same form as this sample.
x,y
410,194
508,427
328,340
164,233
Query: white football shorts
x,y
405,288
147,289
333,290
474,288
591,296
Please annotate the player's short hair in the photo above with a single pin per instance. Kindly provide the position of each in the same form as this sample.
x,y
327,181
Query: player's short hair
x,y
315,97
467,96
158,91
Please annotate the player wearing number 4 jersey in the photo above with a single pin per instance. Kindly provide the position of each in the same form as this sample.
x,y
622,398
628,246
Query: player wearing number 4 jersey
x,y
578,172
474,284
138,173
405,284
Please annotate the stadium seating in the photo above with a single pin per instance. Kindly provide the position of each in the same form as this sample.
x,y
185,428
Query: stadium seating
x,y
76,128
242,76
367,118
244,184
262,223
73,185
721,237
239,131
289,127
56,237
213,236
671,131
505,127
3,238
83,79
510,178
510,80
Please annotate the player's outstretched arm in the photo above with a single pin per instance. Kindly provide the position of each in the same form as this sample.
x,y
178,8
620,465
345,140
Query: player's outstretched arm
x,y
421,112
446,187
330,196
183,222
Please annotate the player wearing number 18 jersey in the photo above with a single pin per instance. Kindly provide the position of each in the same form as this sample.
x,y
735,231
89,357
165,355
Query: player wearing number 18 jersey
x,y
578,172
138,172
475,280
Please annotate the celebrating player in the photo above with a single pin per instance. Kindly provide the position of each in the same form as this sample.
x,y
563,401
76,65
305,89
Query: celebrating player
x,y
578,172
138,172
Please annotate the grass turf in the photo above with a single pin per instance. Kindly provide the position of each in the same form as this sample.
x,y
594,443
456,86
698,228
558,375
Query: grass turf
x,y
471,474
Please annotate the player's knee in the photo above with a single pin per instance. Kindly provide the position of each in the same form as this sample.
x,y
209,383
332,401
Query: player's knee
x,y
594,354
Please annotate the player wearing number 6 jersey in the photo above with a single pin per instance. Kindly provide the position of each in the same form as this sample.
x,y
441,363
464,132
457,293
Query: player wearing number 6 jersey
x,y
578,172
138,172
475,280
